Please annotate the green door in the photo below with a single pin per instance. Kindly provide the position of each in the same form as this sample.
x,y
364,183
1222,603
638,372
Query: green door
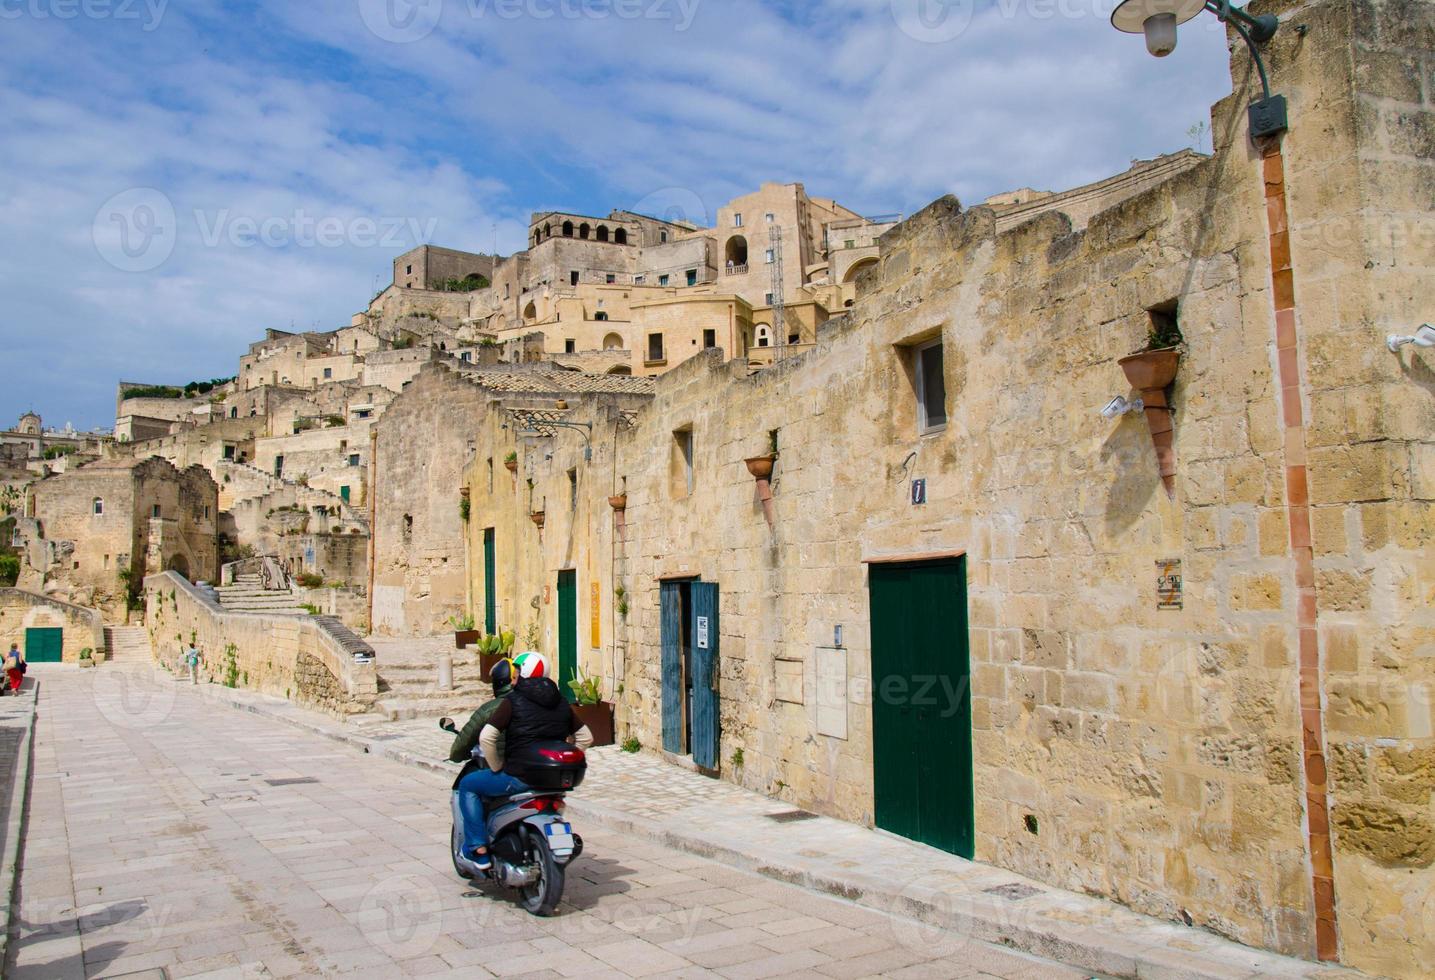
x,y
490,588
921,705
344,494
43,646
567,630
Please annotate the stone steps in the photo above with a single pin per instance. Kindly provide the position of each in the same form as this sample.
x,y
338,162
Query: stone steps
x,y
451,703
128,644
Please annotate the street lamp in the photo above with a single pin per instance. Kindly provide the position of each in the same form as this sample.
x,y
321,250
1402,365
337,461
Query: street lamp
x,y
1158,20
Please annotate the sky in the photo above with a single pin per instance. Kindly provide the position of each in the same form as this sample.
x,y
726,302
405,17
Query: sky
x,y
178,176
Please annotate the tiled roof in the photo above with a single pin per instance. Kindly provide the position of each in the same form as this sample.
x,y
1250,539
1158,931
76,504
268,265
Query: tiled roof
x,y
558,381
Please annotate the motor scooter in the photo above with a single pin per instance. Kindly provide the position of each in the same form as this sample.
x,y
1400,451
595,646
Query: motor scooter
x,y
531,844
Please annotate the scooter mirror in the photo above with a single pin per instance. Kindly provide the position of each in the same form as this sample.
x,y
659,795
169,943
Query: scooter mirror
x,y
447,725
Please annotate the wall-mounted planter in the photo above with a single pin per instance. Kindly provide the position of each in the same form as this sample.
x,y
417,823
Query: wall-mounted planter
x,y
761,469
538,517
1151,372
512,465
618,501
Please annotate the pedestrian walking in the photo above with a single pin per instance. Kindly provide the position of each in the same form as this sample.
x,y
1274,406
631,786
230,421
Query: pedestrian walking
x,y
14,667
191,659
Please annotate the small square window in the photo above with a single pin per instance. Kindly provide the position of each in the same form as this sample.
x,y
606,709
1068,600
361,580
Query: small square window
x,y
570,346
771,256
931,387
709,339
328,373
662,280
850,243
354,459
610,279
737,221
655,347
770,217
154,512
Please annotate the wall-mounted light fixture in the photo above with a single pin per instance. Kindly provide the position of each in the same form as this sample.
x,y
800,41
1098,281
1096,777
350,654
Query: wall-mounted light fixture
x,y
1119,406
1424,337
1158,20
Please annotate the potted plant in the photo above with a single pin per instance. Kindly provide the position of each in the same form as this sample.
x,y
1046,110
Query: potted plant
x,y
464,633
493,649
1152,371
591,709
87,657
511,461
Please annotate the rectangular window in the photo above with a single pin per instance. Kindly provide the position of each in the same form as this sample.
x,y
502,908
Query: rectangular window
x,y
228,452
364,413
737,221
279,466
662,280
639,280
99,510
709,339
770,217
931,387
466,357
490,474
344,494
655,347
354,459
692,277
771,256
573,278
611,279
154,512
850,243
573,491
206,513
768,299
328,373
682,463
570,346
408,270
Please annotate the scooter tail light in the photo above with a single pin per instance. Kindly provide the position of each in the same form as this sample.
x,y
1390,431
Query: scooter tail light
x,y
542,804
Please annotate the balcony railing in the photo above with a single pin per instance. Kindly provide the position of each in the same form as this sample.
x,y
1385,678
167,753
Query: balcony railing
x,y
737,270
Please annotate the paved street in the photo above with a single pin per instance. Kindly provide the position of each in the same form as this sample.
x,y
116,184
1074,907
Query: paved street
x,y
169,831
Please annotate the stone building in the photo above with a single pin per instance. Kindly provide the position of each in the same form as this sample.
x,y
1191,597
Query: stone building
x,y
969,608
428,267
122,517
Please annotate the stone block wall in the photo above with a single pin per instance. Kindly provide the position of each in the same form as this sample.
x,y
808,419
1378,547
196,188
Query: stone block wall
x,y
83,628
307,659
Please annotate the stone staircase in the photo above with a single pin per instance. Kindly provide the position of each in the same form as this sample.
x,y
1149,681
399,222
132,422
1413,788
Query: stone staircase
x,y
248,594
128,645
408,680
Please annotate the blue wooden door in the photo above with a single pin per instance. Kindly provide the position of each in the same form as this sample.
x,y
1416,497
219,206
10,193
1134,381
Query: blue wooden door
x,y
672,663
706,717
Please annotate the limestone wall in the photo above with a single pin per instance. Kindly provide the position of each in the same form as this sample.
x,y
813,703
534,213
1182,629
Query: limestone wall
x,y
83,628
307,659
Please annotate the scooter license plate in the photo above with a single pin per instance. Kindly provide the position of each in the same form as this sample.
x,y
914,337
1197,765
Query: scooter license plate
x,y
560,836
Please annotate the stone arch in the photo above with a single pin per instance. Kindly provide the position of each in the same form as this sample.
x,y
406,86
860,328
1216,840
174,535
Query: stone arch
x,y
621,369
548,231
178,563
584,230
567,229
613,342
530,312
736,251
764,335
621,236
858,266
602,233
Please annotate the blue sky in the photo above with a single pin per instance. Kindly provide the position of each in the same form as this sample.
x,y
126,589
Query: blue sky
x,y
180,176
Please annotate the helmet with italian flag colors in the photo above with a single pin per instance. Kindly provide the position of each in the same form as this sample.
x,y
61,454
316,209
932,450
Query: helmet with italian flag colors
x,y
531,664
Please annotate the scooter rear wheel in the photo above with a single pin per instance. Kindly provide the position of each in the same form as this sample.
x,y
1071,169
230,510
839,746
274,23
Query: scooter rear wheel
x,y
455,849
541,897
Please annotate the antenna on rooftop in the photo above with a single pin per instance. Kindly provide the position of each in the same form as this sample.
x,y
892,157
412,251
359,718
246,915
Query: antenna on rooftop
x,y
779,327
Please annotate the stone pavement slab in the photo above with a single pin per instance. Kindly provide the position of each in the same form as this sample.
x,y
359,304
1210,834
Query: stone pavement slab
x,y
174,837
943,901
17,723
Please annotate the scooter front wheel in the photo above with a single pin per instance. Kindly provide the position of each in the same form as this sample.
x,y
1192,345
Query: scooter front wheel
x,y
541,897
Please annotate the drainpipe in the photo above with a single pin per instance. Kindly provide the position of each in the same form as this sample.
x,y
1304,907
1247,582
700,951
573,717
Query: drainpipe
x,y
1312,711
373,516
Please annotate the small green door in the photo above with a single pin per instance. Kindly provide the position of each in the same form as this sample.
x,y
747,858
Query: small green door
x,y
490,588
344,494
921,705
44,646
567,630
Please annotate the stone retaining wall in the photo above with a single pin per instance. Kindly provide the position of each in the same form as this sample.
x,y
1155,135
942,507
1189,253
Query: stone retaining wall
x,y
21,610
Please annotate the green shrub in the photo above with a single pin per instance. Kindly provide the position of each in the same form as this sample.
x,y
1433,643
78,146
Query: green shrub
x,y
309,580
9,570
631,745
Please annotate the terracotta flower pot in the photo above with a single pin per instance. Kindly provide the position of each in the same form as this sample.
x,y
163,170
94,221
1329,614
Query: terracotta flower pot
x,y
599,719
1152,372
487,661
512,465
465,638
761,466
538,518
618,501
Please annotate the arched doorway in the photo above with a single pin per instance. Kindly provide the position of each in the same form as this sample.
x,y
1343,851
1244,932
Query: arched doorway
x,y
602,233
613,342
858,266
567,229
621,236
736,251
178,563
530,312
584,230
764,335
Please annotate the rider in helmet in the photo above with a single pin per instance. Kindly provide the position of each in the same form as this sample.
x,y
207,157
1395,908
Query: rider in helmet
x,y
476,780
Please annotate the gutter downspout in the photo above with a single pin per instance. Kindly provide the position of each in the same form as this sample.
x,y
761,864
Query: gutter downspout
x,y
373,516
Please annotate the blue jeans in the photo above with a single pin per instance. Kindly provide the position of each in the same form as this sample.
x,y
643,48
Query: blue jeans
x,y
471,790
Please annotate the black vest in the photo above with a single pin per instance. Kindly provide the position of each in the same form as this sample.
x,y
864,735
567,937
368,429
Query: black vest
x,y
539,715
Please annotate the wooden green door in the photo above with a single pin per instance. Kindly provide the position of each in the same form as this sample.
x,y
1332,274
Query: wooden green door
x,y
567,631
921,704
44,646
706,721
490,587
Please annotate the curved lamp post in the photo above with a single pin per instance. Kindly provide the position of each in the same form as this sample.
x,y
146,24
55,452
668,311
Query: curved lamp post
x,y
1158,20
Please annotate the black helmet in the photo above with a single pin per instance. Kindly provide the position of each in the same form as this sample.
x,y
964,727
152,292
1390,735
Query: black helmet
x,y
502,677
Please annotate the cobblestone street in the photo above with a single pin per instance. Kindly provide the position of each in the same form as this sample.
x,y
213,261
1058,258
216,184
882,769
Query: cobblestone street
x,y
170,832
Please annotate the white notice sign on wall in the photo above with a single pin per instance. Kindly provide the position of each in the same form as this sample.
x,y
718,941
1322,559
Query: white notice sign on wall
x,y
702,628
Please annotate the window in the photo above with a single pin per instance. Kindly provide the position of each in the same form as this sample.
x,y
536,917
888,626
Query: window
x,y
692,277
663,237
655,347
354,459
573,491
610,279
279,466
344,494
228,452
570,346
206,512
328,373
771,256
709,339
466,357
408,270
931,387
99,507
154,512
600,317
682,468
639,280
490,474
662,280
850,243
770,217
737,221
343,445
364,413
768,299
573,278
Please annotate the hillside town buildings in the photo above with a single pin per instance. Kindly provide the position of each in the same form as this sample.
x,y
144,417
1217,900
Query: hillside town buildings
x,y
830,505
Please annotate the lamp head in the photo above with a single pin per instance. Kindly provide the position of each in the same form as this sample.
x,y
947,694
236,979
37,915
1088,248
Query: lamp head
x,y
1156,19
1119,406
